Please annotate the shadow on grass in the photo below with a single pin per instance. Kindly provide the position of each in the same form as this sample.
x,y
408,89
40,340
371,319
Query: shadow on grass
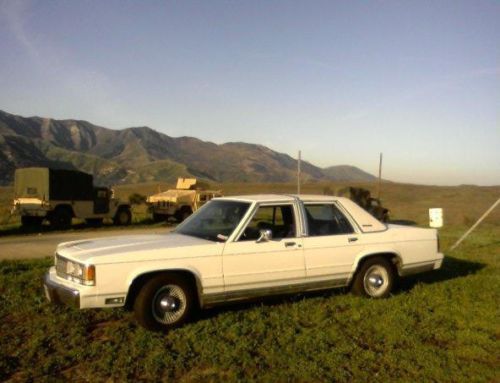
x,y
452,268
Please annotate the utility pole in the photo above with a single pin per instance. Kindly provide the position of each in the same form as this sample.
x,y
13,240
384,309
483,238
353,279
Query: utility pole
x,y
298,173
379,176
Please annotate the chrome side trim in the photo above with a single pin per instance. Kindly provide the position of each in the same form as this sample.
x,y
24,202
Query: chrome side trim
x,y
238,295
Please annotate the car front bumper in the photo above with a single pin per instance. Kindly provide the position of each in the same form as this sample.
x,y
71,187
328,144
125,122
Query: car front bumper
x,y
59,294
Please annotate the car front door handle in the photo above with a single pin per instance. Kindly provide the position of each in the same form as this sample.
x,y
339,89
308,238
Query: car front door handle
x,y
290,244
352,239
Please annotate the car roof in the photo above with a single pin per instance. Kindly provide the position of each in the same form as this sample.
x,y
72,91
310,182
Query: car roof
x,y
283,198
365,220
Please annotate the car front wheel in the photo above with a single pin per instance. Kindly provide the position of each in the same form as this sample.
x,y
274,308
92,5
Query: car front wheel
x,y
164,302
374,279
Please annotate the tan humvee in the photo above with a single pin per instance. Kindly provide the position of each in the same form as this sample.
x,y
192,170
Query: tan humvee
x,y
60,195
180,202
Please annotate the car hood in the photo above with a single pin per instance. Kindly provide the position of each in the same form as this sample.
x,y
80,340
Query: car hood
x,y
120,248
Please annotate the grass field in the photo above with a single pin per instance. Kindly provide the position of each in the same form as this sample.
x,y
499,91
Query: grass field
x,y
442,326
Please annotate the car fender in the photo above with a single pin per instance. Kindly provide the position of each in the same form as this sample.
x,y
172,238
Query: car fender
x,y
373,251
171,267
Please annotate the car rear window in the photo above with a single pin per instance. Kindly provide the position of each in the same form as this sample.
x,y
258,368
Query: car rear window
x,y
326,219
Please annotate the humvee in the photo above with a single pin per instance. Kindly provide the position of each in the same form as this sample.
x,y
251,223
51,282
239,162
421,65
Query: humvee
x,y
180,202
59,195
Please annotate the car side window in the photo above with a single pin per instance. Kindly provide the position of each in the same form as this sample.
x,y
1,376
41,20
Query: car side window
x,y
279,219
326,219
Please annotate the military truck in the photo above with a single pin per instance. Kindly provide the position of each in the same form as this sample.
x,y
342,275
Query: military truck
x,y
364,199
180,202
60,195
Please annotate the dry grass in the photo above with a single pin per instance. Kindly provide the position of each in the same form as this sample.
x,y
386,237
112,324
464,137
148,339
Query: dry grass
x,y
462,205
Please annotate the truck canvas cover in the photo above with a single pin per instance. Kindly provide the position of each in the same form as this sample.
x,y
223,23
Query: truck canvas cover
x,y
53,184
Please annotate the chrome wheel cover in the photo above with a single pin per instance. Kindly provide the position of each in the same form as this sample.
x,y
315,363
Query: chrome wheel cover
x,y
376,281
169,304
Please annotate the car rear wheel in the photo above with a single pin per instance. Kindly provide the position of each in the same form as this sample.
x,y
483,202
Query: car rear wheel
x,y
374,279
164,302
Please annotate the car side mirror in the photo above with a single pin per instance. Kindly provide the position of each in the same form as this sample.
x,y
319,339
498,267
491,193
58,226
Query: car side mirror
x,y
265,235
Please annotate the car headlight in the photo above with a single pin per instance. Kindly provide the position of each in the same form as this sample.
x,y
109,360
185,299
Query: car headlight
x,y
75,271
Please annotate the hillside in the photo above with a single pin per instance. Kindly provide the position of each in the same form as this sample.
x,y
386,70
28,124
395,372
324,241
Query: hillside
x,y
141,154
347,173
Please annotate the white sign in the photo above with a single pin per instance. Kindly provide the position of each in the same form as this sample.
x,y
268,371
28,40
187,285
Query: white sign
x,y
436,217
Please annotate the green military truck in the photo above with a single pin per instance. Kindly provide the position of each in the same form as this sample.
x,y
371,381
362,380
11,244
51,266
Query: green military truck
x,y
60,195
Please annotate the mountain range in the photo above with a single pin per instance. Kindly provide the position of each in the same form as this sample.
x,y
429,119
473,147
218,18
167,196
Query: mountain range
x,y
141,154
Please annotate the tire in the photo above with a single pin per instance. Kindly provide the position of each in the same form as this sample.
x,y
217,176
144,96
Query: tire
x,y
182,214
165,301
123,217
61,218
31,222
374,279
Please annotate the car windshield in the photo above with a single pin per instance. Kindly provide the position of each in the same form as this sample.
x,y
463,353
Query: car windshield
x,y
215,221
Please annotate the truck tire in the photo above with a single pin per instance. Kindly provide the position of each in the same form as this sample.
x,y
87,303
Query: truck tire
x,y
31,222
183,213
123,217
375,278
165,301
61,218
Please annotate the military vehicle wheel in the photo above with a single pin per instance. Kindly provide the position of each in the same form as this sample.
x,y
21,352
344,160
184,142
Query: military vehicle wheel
x,y
31,222
182,214
123,217
94,222
61,218
165,301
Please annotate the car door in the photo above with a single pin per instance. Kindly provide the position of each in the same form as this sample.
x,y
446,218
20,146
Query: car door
x,y
331,245
252,266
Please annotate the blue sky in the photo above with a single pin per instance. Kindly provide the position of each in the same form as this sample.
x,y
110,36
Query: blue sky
x,y
340,80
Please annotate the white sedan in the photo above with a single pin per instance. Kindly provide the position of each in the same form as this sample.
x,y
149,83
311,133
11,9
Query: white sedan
x,y
237,248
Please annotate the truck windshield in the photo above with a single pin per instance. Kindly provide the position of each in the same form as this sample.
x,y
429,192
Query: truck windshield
x,y
215,221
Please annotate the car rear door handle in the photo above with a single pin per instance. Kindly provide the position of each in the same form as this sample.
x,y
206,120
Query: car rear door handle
x,y
290,244
352,239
